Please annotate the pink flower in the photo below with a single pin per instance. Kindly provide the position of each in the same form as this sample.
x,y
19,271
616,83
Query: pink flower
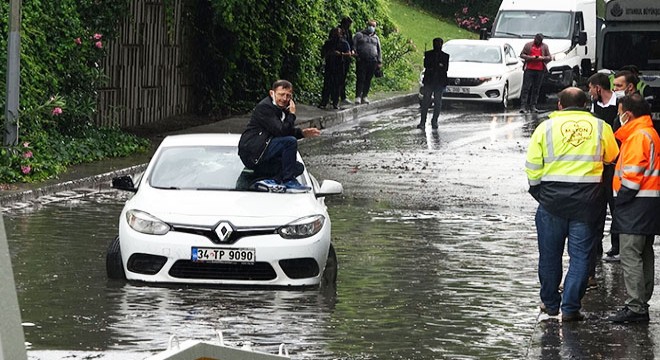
x,y
56,111
98,44
27,154
26,169
26,144
97,36
484,20
77,41
465,10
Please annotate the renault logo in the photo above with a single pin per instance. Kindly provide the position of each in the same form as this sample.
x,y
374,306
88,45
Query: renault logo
x,y
224,231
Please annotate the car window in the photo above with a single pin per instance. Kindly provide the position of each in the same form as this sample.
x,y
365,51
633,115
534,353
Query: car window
x,y
472,53
200,167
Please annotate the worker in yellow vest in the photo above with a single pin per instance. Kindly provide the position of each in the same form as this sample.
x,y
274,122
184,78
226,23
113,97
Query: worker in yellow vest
x,y
564,168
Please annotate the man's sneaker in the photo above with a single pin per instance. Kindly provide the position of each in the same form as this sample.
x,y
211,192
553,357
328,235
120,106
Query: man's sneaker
x,y
612,258
592,283
523,110
549,312
626,315
293,186
576,316
421,126
365,100
358,101
346,102
270,186
535,109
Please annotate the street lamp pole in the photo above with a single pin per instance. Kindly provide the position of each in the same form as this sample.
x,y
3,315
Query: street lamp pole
x,y
13,73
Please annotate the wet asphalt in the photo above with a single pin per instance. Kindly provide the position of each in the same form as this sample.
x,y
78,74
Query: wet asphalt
x,y
594,338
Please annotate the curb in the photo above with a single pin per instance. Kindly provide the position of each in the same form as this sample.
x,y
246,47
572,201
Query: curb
x,y
102,181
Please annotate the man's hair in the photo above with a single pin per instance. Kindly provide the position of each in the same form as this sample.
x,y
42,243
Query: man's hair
x,y
283,84
629,76
632,68
600,79
438,41
346,20
538,37
636,104
572,97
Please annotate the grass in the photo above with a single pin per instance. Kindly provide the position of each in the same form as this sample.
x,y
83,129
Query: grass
x,y
422,27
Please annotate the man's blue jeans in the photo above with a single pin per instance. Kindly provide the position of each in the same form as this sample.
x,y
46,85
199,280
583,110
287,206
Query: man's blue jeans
x,y
279,160
552,232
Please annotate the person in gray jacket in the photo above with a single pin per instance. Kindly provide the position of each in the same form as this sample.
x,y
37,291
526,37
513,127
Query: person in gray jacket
x,y
369,58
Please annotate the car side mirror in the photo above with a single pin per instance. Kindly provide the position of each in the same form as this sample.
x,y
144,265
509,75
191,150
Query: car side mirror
x,y
330,187
582,38
512,62
124,182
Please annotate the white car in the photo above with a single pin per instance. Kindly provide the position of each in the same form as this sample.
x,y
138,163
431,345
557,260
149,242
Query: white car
x,y
481,70
194,219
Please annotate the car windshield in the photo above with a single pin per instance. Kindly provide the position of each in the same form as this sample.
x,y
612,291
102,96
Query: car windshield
x,y
471,53
526,24
200,168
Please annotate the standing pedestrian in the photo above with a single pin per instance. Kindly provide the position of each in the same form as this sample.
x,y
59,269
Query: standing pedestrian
x,y
347,35
535,54
564,168
269,144
604,107
334,50
436,64
637,196
369,58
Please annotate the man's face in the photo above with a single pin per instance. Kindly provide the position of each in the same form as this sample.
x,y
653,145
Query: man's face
x,y
282,96
594,91
620,83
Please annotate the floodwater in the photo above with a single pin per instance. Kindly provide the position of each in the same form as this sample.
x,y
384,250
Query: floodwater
x,y
434,237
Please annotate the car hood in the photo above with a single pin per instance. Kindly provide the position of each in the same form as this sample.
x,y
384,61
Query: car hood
x,y
461,69
554,45
242,208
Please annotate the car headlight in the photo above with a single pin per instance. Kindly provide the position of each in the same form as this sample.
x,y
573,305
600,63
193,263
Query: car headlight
x,y
145,223
302,228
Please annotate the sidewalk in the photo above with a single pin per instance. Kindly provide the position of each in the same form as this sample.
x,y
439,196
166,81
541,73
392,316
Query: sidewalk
x,y
97,175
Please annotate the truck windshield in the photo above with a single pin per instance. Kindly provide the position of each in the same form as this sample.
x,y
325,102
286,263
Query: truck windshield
x,y
525,24
631,48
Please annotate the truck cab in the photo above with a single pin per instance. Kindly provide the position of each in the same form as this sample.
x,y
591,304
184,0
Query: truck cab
x,y
568,28
631,36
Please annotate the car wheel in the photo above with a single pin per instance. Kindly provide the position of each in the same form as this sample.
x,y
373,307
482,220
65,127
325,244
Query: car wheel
x,y
329,277
505,97
113,264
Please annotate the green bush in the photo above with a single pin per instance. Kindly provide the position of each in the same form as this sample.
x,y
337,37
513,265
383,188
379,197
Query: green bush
x,y
62,43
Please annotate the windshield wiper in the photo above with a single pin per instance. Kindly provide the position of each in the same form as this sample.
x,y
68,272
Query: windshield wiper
x,y
507,33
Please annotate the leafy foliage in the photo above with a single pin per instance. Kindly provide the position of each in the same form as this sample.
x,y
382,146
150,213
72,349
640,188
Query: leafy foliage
x,y
62,43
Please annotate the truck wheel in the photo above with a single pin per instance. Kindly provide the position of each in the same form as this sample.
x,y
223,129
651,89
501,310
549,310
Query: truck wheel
x,y
113,264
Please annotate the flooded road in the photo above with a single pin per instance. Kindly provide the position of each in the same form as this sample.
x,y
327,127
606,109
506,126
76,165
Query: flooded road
x,y
434,237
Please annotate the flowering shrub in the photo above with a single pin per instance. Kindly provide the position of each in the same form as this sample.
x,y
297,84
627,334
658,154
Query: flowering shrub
x,y
469,21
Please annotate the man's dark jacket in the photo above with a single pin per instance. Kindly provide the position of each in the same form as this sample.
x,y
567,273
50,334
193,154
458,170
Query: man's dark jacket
x,y
265,123
434,74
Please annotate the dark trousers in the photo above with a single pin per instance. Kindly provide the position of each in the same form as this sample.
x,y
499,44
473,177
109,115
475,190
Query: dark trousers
x,y
427,92
332,83
597,250
342,86
532,80
364,70
279,161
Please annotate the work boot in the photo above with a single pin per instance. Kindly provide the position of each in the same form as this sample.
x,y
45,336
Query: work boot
x,y
626,315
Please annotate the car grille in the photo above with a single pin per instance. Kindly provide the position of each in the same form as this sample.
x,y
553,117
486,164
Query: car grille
x,y
464,82
213,236
188,269
461,95
300,268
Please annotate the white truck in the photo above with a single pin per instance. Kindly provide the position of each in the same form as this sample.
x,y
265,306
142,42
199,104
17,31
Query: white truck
x,y
568,28
631,36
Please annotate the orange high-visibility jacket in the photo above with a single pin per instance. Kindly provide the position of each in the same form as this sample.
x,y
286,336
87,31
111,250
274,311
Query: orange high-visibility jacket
x,y
636,182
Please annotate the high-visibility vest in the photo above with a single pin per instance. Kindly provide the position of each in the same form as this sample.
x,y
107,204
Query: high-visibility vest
x,y
571,146
638,167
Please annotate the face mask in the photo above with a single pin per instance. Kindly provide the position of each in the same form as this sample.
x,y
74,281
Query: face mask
x,y
623,119
371,29
619,94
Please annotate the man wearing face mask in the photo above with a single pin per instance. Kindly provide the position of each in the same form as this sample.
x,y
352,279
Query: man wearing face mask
x,y
369,58
636,187
269,144
436,64
626,83
535,54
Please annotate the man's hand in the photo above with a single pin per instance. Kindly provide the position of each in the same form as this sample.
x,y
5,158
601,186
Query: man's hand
x,y
311,132
292,107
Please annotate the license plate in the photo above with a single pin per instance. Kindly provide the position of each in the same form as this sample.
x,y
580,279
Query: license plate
x,y
456,89
655,116
226,255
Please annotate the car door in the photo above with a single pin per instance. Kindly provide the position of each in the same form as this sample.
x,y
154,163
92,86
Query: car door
x,y
514,71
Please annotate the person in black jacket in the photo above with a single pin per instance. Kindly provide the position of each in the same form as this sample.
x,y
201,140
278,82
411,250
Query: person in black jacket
x,y
436,64
269,144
